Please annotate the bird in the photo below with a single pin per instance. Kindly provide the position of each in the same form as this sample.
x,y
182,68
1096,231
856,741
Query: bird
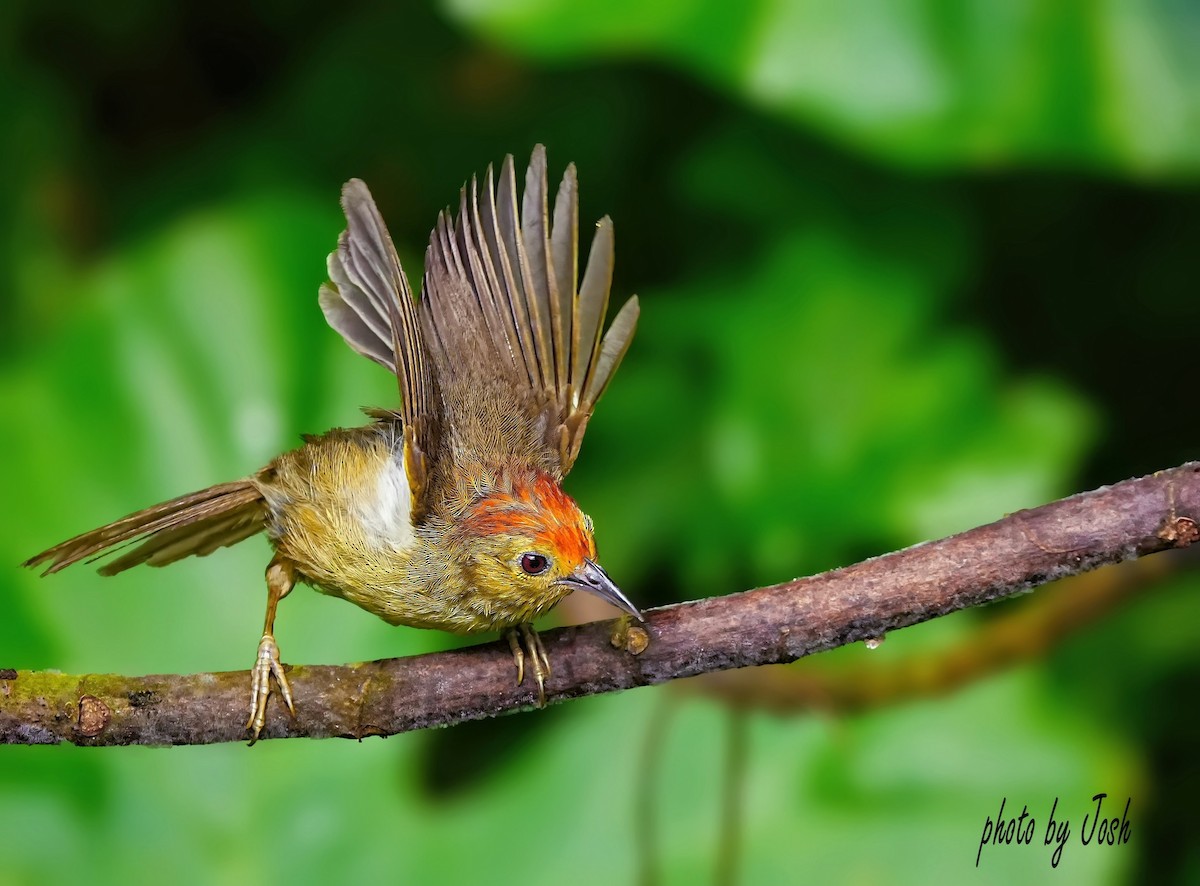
x,y
447,512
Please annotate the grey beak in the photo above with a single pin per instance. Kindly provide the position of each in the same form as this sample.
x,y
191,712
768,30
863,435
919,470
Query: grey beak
x,y
591,578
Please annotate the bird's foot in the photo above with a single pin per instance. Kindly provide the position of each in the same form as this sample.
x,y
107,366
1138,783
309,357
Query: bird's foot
x,y
267,665
539,662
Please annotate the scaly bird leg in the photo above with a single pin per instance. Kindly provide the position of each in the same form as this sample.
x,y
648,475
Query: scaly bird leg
x,y
281,578
538,660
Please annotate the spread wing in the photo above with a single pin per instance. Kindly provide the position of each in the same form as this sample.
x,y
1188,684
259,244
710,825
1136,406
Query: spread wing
x,y
369,302
500,291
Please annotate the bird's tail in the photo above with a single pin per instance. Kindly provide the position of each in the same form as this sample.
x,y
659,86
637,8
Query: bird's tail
x,y
191,524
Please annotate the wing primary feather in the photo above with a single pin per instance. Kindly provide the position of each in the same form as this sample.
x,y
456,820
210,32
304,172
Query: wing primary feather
x,y
435,301
564,251
502,205
353,328
456,307
352,292
500,316
507,289
367,249
542,283
369,260
362,268
413,401
592,304
612,349
484,280
460,297
510,231
449,244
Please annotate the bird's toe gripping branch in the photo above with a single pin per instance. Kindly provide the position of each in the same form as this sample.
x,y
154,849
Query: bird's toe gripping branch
x,y
539,662
281,578
266,666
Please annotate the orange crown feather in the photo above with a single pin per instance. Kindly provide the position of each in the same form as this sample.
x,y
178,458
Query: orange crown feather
x,y
539,509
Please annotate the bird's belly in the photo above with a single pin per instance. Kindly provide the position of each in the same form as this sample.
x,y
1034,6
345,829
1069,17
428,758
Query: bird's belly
x,y
463,610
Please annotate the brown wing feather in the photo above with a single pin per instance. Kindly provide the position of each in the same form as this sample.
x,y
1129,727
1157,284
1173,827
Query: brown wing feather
x,y
500,298
370,303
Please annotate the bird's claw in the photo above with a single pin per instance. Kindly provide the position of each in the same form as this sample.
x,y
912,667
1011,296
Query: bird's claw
x,y
266,666
538,660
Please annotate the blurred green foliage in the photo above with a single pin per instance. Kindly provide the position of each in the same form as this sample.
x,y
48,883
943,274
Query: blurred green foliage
x,y
920,82
904,266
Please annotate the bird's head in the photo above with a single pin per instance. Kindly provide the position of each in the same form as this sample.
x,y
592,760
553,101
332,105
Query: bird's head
x,y
528,540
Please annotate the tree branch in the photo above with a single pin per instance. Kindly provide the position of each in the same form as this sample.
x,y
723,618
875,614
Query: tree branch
x,y
770,625
1018,634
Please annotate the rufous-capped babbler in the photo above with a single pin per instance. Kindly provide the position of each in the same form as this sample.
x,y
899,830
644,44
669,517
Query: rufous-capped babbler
x,y
449,512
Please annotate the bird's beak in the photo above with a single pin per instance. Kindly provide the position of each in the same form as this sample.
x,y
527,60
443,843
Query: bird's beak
x,y
591,578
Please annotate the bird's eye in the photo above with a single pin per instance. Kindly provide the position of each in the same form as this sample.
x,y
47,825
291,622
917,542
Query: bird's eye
x,y
534,564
